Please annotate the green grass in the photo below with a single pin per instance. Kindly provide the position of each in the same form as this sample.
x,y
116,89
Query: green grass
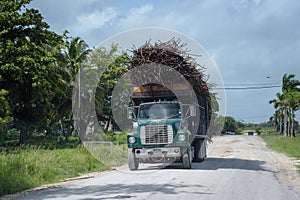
x,y
28,168
120,138
44,159
286,145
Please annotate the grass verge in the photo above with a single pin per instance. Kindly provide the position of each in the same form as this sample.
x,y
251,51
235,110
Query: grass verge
x,y
30,167
286,145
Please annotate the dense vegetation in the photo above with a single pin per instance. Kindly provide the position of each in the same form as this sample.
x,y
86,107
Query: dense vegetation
x,y
38,71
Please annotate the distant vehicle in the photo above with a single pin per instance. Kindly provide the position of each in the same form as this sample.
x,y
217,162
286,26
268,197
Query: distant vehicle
x,y
252,133
229,133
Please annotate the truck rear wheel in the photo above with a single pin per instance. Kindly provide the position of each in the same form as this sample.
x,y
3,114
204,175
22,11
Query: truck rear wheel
x,y
133,164
187,159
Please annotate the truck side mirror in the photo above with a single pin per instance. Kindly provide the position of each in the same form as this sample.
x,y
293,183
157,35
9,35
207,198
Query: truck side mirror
x,y
129,113
193,111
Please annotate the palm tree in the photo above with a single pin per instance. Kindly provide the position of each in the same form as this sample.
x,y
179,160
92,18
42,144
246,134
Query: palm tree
x,y
294,105
288,102
290,89
289,83
75,53
276,120
70,59
281,108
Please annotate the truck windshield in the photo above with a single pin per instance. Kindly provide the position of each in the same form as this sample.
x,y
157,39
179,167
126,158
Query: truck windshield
x,y
159,111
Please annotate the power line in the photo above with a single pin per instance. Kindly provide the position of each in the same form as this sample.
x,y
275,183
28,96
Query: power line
x,y
253,117
248,87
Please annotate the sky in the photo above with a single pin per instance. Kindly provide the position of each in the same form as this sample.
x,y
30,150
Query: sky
x,y
252,42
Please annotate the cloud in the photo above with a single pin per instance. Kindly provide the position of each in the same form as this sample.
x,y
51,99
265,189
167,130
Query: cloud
x,y
141,10
136,15
248,39
61,14
92,21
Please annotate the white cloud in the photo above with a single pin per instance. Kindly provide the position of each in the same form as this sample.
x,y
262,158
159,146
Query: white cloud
x,y
96,20
142,10
136,15
248,39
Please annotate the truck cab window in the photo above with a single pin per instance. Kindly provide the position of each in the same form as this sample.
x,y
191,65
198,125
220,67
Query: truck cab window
x,y
160,111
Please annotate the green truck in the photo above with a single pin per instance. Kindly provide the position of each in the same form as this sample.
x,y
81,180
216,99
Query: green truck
x,y
165,130
170,106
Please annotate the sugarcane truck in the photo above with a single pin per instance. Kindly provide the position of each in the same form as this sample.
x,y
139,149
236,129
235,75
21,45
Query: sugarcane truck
x,y
165,128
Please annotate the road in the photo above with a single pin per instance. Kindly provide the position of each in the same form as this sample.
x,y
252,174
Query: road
x,y
237,167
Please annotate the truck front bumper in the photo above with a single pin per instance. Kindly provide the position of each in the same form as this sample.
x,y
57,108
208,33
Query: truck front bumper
x,y
167,153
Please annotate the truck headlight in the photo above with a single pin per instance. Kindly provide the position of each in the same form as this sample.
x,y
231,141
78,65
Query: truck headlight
x,y
131,140
181,138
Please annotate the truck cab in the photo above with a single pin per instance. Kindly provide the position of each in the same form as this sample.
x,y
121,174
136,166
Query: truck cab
x,y
167,126
160,135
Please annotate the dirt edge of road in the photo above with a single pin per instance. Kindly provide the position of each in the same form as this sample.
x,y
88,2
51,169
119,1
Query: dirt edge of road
x,y
287,171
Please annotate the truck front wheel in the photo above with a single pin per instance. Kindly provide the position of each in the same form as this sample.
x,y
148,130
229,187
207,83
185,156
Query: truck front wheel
x,y
187,159
133,164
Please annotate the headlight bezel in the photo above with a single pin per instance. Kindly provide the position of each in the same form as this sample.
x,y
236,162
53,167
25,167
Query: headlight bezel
x,y
181,137
131,140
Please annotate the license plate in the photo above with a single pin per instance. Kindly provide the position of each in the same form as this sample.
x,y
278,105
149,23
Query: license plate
x,y
156,151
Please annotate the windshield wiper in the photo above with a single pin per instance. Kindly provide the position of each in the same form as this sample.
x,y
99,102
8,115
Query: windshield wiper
x,y
173,116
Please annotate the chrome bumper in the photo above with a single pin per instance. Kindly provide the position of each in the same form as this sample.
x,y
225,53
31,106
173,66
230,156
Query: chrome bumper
x,y
166,152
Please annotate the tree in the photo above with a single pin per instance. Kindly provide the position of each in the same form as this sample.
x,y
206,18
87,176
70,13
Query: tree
x,y
294,105
74,54
26,46
229,124
290,90
5,113
280,113
75,50
289,83
99,74
107,83
276,120
287,103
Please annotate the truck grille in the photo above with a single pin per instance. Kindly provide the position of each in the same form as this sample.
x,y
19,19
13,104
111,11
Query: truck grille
x,y
156,134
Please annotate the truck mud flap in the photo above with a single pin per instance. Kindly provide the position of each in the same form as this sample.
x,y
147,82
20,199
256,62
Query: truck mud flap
x,y
200,150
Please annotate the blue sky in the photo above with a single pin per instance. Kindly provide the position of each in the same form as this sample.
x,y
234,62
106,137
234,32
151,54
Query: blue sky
x,y
253,42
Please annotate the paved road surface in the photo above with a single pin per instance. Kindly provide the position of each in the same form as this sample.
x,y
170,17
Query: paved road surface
x,y
238,168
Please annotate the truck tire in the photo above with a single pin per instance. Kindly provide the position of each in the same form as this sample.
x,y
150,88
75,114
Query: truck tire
x,y
200,150
186,159
133,164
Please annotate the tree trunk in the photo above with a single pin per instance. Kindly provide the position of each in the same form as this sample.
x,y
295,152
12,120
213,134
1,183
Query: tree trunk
x,y
288,125
290,122
280,125
108,123
285,123
23,134
292,126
